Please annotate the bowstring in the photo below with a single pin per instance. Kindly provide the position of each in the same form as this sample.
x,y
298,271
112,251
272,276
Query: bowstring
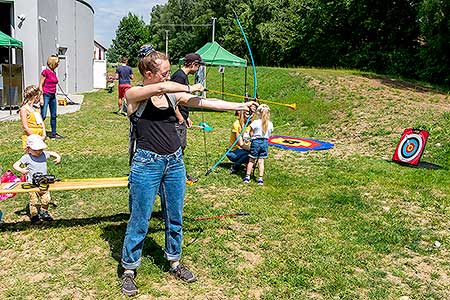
x,y
204,131
254,92
203,94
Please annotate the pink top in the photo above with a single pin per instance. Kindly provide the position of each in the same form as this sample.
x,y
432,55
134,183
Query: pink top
x,y
49,86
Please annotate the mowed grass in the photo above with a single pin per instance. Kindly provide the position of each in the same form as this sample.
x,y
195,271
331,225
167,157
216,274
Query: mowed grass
x,y
345,223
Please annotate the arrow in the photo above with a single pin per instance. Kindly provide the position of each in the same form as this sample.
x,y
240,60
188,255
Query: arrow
x,y
292,106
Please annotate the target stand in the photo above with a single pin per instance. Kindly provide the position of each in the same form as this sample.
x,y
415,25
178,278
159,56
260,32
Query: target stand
x,y
411,146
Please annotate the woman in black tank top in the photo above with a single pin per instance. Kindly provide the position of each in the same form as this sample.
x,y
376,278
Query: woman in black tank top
x,y
157,166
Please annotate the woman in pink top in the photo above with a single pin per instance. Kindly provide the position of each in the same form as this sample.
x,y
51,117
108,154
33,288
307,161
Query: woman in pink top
x,y
47,85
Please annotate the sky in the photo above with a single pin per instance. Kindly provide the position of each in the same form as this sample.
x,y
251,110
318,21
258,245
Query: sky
x,y
108,14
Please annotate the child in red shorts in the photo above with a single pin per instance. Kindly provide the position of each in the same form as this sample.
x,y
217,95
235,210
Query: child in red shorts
x,y
124,74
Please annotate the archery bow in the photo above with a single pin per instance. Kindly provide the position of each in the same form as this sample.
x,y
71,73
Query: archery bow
x,y
255,86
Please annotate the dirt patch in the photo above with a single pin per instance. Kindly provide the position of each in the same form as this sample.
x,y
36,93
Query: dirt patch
x,y
251,260
173,289
314,296
33,277
256,294
72,293
362,131
213,192
428,271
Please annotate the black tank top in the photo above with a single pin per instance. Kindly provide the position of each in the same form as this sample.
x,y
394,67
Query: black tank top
x,y
156,130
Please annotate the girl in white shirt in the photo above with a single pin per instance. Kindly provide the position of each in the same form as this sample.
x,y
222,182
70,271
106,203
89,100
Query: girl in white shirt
x,y
261,130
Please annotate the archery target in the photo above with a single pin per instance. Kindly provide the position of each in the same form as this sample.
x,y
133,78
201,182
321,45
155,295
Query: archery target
x,y
298,144
411,146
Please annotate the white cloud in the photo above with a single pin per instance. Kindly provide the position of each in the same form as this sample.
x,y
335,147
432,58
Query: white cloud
x,y
108,14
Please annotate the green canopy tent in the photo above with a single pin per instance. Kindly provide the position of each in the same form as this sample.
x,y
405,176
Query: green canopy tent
x,y
10,43
214,54
7,41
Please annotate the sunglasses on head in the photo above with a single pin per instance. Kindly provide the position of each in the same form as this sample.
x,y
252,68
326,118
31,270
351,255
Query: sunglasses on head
x,y
145,50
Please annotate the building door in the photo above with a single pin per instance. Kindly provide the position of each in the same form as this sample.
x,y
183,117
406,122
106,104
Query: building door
x,y
99,74
63,71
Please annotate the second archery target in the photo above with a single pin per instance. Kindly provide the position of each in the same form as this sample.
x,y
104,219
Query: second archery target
x,y
298,144
411,146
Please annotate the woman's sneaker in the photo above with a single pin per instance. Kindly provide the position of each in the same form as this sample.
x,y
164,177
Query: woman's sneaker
x,y
129,287
183,273
55,136
260,181
246,179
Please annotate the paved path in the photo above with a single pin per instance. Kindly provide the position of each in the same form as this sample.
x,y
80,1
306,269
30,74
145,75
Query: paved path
x,y
6,115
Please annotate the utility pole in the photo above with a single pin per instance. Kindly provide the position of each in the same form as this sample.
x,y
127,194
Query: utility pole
x,y
213,27
167,43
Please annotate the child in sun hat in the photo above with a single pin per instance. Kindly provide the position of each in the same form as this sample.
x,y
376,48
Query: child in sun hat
x,y
260,131
33,161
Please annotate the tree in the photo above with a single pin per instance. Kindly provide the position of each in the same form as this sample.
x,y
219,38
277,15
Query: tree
x,y
131,34
182,40
112,56
404,37
435,28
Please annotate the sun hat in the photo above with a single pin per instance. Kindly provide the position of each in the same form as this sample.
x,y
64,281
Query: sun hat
x,y
193,58
35,142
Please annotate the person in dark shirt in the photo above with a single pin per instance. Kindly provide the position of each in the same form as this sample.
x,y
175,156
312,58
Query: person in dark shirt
x,y
192,63
124,74
157,166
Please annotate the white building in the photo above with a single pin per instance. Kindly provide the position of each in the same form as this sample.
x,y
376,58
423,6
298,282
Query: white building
x,y
62,27
99,51
99,71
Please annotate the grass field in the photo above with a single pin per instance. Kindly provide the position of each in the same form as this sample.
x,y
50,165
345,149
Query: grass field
x,y
345,223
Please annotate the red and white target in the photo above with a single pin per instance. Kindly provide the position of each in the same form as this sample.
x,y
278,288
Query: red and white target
x,y
410,148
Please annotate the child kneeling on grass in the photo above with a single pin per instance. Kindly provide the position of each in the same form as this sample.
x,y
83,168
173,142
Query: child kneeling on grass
x,y
260,131
34,161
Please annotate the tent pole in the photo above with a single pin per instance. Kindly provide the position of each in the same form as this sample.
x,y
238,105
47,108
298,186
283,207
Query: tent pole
x,y
22,86
245,81
9,83
223,83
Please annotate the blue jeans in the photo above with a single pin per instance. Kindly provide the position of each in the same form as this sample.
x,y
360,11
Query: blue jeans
x,y
50,100
238,157
259,148
153,174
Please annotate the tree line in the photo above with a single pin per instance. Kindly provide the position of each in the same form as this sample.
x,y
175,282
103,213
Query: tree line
x,y
408,38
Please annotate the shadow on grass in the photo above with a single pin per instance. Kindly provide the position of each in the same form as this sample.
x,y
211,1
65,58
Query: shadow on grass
x,y
402,84
421,165
240,172
115,233
59,223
